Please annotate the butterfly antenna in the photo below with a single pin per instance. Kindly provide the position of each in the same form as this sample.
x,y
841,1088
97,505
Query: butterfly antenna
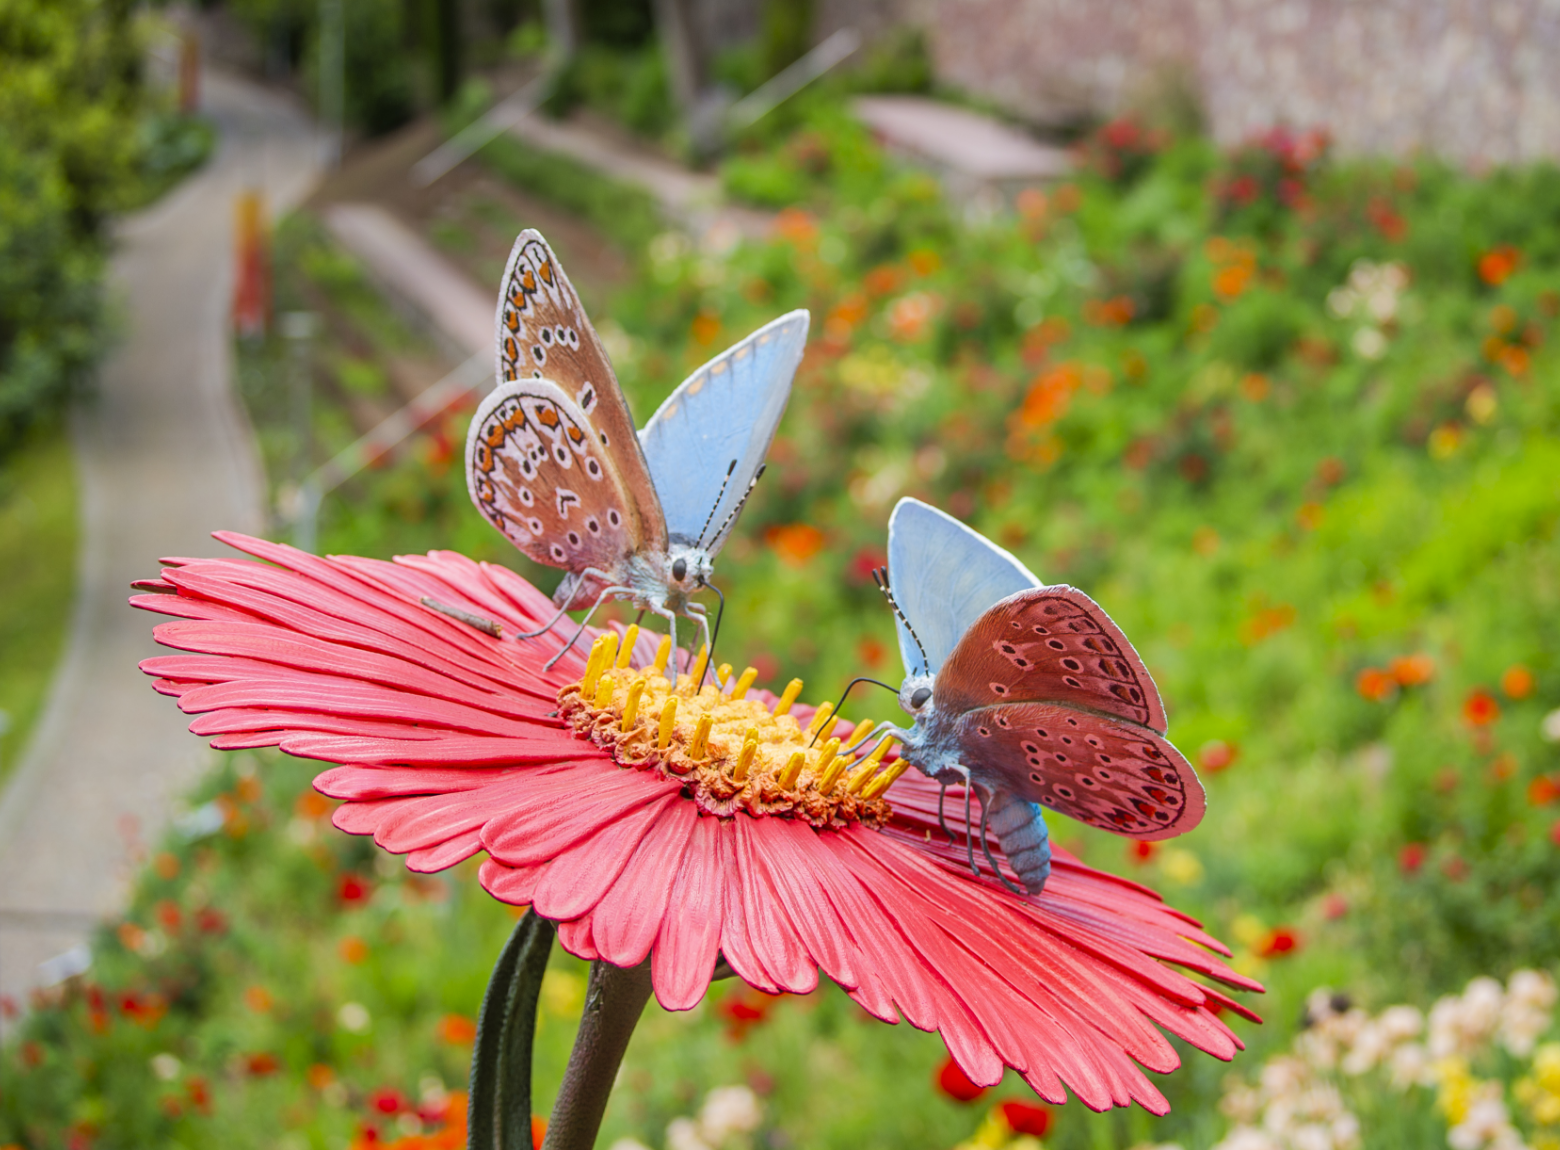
x,y
741,503
985,845
714,635
880,577
716,505
845,694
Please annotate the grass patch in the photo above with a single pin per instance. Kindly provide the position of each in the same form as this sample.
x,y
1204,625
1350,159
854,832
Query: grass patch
x,y
38,540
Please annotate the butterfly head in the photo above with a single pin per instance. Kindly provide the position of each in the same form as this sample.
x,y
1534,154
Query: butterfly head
x,y
688,568
915,695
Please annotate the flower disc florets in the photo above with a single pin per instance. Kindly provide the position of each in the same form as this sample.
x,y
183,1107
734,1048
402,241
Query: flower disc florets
x,y
732,753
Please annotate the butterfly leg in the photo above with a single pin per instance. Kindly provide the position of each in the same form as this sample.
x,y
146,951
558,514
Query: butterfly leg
x,y
602,575
585,622
987,801
969,833
942,797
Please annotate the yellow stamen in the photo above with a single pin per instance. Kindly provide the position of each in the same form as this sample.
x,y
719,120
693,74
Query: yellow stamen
x,y
699,666
668,723
863,729
820,717
792,690
592,668
829,767
793,770
745,759
700,738
604,688
609,646
862,775
626,652
880,784
662,654
723,674
741,689
631,706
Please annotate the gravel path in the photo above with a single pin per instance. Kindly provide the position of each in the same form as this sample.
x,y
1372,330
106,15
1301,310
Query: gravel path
x,y
165,456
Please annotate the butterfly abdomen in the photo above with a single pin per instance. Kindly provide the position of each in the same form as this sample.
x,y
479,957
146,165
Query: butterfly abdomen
x,y
1020,827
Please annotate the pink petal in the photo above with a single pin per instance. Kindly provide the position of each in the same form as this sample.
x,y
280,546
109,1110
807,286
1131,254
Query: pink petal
x,y
627,919
769,931
685,949
581,875
565,808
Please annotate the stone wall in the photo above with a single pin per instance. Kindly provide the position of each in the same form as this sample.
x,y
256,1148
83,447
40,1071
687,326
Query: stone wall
x,y
1473,80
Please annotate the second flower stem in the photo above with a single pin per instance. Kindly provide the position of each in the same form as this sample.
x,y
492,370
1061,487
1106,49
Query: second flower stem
x,y
614,1000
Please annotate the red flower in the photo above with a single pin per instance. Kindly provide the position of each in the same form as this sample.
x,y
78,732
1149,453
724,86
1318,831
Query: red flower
x,y
637,844
1217,755
388,1101
953,1082
352,889
1024,1118
1281,940
1480,708
1411,857
262,1064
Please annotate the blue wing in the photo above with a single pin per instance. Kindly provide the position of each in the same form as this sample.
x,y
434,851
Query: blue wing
x,y
724,413
944,575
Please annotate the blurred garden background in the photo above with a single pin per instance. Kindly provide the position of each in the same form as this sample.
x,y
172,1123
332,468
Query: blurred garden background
x,y
1260,355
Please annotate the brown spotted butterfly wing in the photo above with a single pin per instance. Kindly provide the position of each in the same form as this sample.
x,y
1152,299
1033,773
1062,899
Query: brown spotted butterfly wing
x,y
1109,774
543,333
1050,644
541,476
1055,704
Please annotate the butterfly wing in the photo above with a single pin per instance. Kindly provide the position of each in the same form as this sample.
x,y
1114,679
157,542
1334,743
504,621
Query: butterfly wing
x,y
724,413
1053,645
944,575
538,471
543,332
1109,774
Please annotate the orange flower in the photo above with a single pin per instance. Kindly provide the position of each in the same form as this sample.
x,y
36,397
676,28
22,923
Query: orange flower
x,y
352,949
167,867
924,261
1412,670
883,279
1497,264
795,543
1254,387
1543,790
1217,755
1310,516
909,316
1480,708
796,227
1049,395
313,805
705,328
1517,682
1268,621
319,1076
258,999
871,652
1374,684
1114,312
457,1030
1230,282
1514,359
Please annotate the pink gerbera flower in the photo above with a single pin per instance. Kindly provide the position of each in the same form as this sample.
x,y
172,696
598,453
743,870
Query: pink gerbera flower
x,y
648,819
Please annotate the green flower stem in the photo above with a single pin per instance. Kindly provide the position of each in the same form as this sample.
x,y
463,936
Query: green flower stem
x,y
614,1001
499,1108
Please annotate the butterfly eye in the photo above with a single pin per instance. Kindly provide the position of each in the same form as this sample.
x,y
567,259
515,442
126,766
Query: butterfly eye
x,y
918,699
680,570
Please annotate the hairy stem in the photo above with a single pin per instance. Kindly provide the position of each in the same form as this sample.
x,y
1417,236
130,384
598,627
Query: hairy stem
x,y
613,1003
499,1113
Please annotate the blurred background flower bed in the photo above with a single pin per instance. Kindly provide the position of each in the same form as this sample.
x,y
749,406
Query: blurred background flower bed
x,y
1290,418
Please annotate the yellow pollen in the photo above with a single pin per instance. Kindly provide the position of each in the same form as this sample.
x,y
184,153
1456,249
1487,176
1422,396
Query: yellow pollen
x,y
745,759
723,674
863,729
626,652
592,667
793,770
668,723
609,646
741,689
820,717
699,666
829,767
603,691
631,705
700,738
792,690
880,784
662,654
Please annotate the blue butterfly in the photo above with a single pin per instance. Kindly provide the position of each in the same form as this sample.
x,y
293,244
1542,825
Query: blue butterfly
x,y
1028,694
553,460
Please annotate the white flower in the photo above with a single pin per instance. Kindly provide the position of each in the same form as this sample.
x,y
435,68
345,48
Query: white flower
x,y
1551,726
1249,1138
683,1134
1400,1023
1411,1066
353,1017
166,1066
1369,343
729,1110
629,1144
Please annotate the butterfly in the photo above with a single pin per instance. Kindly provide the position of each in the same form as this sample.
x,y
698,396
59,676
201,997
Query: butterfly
x,y
554,462
1027,693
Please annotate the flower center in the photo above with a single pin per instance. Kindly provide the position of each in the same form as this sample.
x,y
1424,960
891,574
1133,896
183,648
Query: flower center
x,y
731,753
